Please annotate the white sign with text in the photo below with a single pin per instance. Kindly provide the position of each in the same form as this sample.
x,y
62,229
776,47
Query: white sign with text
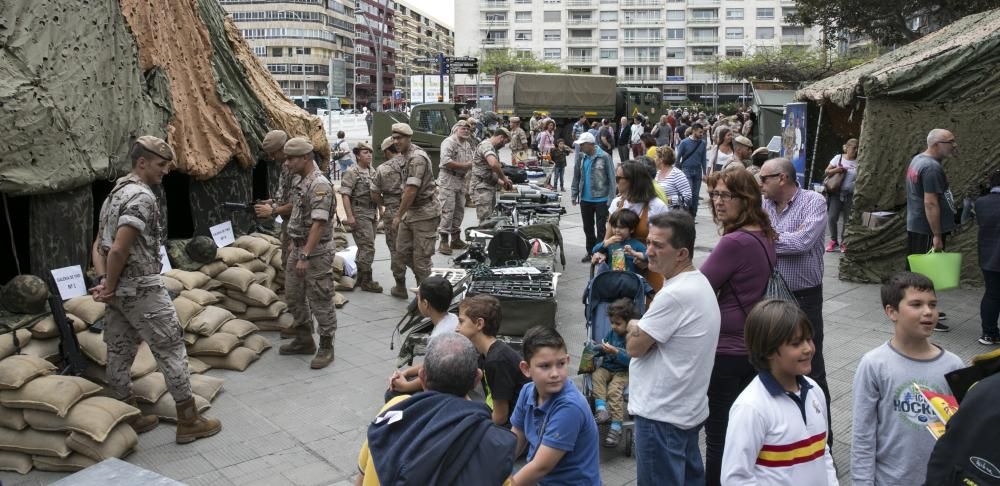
x,y
164,260
223,234
69,281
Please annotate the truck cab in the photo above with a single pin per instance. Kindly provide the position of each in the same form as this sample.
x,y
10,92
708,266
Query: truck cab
x,y
645,101
431,124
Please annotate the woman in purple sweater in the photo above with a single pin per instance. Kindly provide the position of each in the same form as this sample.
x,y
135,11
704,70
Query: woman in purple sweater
x,y
738,269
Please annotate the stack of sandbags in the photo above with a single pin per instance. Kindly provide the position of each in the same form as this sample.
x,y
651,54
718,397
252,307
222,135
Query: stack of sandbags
x,y
214,336
57,423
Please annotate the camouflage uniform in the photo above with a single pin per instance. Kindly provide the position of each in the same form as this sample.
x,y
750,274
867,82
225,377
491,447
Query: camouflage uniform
x,y
451,184
285,184
417,229
484,181
388,181
356,183
519,144
141,309
312,199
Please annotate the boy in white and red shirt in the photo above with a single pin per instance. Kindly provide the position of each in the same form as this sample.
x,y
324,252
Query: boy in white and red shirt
x,y
777,427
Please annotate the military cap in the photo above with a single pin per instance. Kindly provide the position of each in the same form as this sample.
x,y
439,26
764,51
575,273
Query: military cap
x,y
387,143
201,249
274,140
25,294
157,146
502,131
515,119
462,123
402,129
297,146
743,141
362,146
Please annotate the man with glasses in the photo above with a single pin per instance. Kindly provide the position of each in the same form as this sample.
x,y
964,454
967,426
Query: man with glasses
x,y
930,207
799,218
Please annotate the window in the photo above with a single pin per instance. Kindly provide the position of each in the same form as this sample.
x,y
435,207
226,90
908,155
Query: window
x,y
611,16
765,14
675,34
260,51
788,12
553,2
705,14
734,52
496,18
675,15
552,35
552,16
522,17
522,2
277,52
675,53
609,34
793,32
434,122
552,53
734,32
765,32
522,35
609,53
734,14
674,72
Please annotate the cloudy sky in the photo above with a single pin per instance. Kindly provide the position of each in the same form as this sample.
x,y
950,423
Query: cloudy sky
x,y
443,10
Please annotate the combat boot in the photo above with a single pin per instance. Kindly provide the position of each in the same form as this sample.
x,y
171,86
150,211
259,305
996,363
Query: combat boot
x,y
141,423
191,426
299,345
444,248
325,354
399,290
457,243
370,285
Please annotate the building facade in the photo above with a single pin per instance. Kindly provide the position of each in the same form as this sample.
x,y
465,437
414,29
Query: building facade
x,y
374,26
666,44
297,40
420,36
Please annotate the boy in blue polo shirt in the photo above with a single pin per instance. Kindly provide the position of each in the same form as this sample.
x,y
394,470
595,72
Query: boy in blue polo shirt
x,y
553,419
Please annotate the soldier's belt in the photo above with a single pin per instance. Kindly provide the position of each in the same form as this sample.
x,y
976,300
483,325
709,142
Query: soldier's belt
x,y
452,172
369,205
141,270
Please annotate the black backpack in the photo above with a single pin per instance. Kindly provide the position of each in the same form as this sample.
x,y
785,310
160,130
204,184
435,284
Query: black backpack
x,y
508,244
516,175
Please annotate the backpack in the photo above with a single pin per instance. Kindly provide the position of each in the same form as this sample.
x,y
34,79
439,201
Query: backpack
x,y
516,175
508,244
776,288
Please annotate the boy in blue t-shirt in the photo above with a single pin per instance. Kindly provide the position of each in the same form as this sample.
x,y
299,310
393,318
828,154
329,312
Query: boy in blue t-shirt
x,y
611,378
619,249
552,418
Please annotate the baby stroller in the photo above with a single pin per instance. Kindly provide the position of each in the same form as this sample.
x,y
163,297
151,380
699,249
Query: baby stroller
x,y
602,290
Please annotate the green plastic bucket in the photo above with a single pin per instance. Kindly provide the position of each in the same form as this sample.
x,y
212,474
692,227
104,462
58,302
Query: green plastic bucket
x,y
942,268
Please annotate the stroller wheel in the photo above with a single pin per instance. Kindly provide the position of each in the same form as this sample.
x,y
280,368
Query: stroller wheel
x,y
629,442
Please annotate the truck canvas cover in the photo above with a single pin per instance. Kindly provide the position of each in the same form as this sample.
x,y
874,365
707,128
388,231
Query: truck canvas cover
x,y
558,95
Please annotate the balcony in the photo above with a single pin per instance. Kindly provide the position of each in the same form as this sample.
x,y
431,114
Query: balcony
x,y
701,58
580,3
704,21
577,60
582,22
702,3
581,41
641,60
642,21
494,5
794,39
639,78
641,3
496,42
675,78
642,41
692,40
489,24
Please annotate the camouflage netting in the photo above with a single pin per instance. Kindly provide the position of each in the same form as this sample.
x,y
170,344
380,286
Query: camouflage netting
x,y
948,79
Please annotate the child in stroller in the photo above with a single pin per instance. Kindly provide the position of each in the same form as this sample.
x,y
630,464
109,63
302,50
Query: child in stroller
x,y
611,378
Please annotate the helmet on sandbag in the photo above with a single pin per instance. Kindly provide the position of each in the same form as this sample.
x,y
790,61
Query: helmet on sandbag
x,y
25,294
202,249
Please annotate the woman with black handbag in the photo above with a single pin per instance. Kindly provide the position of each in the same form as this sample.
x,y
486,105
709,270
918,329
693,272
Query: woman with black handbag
x,y
839,187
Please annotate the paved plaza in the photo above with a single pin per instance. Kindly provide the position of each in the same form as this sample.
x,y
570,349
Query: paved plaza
x,y
286,424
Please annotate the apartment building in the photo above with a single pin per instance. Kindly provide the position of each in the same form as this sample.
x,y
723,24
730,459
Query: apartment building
x,y
375,26
297,39
420,36
666,44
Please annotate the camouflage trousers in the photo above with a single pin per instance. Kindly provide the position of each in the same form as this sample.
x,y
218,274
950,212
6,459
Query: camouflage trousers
x,y
452,210
311,292
415,245
486,202
148,315
364,236
391,232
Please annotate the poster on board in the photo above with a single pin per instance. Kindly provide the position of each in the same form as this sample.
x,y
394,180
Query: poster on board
x,y
793,138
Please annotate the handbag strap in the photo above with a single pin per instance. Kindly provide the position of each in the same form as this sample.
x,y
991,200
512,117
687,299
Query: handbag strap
x,y
766,256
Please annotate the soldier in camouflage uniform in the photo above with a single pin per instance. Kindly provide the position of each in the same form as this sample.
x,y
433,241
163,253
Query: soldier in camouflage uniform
x,y
456,160
387,191
362,212
518,141
419,213
273,145
126,257
487,173
309,261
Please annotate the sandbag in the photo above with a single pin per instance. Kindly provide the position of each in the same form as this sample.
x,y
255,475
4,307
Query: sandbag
x,y
273,311
232,255
254,265
85,308
256,294
43,348
283,322
213,269
231,304
338,266
95,373
72,463
346,283
119,443
254,245
212,284
196,365
47,328
51,393
208,321
191,280
7,342
18,462
35,442
12,418
200,297
94,416
166,408
277,260
92,345
262,279
339,300
17,370
266,237
173,285
206,386
238,360
257,343
269,254
186,309
239,328
149,388
236,278
218,344
190,338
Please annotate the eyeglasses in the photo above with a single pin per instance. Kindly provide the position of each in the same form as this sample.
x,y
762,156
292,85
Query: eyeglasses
x,y
765,177
722,196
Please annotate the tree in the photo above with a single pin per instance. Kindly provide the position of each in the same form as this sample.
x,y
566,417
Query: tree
x,y
886,22
788,64
497,61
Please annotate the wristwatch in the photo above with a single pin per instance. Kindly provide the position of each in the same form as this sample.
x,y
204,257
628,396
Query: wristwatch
x,y
303,256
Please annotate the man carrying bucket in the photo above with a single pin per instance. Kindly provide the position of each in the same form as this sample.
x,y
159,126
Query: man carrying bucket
x,y
930,206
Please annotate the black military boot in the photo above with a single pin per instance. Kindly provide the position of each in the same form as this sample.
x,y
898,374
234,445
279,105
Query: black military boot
x,y
444,248
457,243
399,290
300,345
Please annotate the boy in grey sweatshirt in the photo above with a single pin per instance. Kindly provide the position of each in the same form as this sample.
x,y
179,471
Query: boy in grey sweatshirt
x,y
891,443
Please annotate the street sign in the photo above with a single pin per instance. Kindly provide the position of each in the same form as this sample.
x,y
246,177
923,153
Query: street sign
x,y
462,59
338,78
425,59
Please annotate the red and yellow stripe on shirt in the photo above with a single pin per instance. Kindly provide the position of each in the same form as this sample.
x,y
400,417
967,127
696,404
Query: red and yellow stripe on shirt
x,y
786,455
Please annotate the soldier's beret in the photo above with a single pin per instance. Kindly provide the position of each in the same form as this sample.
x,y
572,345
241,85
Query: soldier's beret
x,y
515,119
402,129
502,131
297,146
387,143
362,146
274,140
157,146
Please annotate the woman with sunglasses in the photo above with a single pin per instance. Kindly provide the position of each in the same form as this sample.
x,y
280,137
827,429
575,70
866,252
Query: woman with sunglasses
x,y
738,269
637,193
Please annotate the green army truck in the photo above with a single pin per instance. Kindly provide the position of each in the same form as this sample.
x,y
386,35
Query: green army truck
x,y
431,124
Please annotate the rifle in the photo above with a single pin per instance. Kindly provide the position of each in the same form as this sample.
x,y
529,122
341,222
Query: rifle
x,y
69,346
235,208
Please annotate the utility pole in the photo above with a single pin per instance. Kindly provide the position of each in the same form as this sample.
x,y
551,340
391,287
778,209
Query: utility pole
x,y
378,56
